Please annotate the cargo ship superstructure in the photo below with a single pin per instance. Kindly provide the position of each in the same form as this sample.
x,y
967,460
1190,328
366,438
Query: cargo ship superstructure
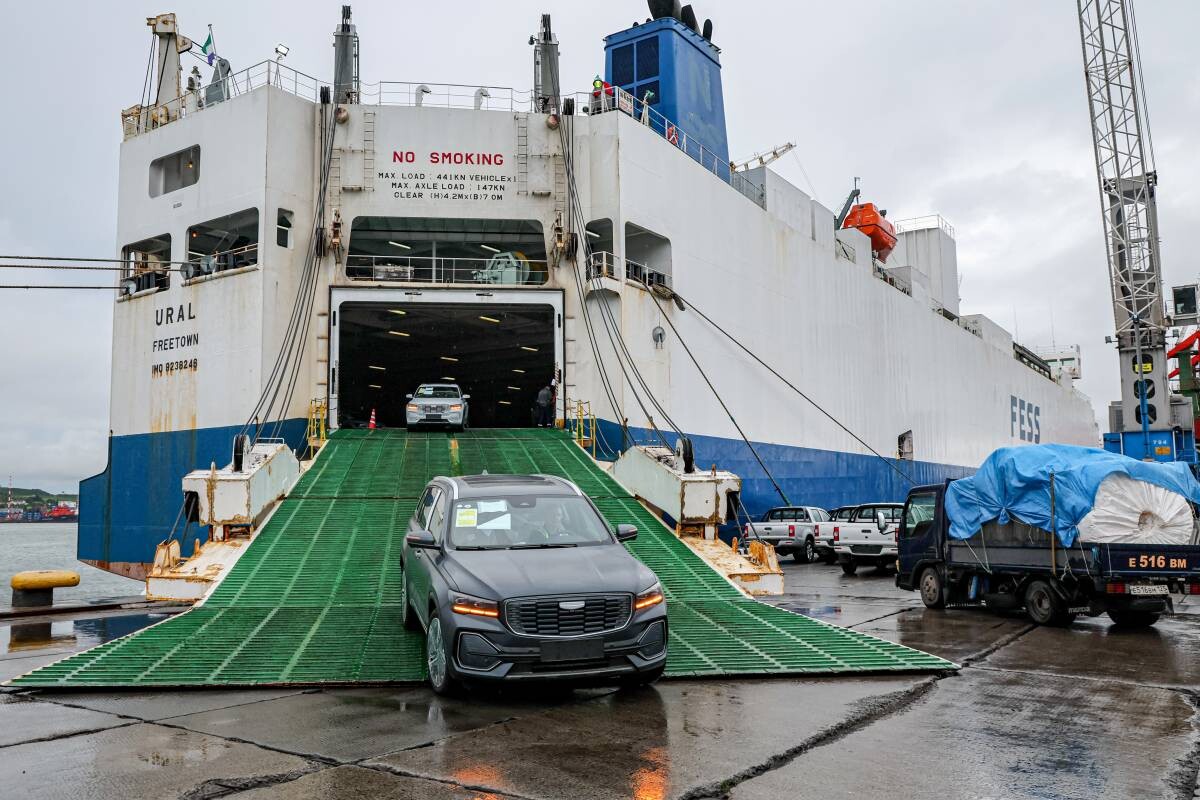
x,y
294,244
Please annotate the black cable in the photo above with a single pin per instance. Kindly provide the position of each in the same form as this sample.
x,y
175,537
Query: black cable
x,y
291,348
612,326
720,399
15,286
72,266
575,211
149,72
795,389
87,260
283,357
604,379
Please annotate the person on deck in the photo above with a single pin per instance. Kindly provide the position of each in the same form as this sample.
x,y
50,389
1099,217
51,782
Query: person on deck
x,y
545,407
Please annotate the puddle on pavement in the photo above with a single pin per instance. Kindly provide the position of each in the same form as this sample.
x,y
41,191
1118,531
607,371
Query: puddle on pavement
x,y
38,634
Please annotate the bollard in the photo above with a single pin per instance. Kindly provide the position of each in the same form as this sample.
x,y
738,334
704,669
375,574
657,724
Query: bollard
x,y
36,588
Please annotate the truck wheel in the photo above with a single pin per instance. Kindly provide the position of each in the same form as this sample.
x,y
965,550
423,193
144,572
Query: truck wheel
x,y
806,554
933,592
849,567
1045,607
1133,619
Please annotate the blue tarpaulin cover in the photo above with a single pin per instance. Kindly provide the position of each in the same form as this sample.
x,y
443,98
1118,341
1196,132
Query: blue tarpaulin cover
x,y
1015,482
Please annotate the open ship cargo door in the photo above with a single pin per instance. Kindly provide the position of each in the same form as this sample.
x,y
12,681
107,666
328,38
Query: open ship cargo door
x,y
500,346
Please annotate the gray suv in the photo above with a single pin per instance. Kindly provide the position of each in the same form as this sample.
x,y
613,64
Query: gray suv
x,y
519,577
437,404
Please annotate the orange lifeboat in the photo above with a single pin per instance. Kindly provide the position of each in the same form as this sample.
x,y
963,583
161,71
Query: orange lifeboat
x,y
871,221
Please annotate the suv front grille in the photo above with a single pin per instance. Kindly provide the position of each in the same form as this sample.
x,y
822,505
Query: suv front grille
x,y
435,409
545,616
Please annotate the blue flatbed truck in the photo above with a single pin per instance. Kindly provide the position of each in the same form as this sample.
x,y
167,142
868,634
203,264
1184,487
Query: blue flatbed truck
x,y
1014,566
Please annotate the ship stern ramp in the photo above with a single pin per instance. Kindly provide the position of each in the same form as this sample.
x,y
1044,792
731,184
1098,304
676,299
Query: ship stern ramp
x,y
316,597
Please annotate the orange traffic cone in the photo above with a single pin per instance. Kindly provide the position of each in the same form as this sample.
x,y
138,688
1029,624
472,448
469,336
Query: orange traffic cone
x,y
371,424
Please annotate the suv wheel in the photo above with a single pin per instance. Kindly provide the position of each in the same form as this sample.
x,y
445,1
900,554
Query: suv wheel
x,y
933,592
437,658
849,567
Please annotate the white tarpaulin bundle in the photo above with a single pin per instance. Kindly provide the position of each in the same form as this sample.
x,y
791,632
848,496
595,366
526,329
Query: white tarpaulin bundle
x,y
1135,512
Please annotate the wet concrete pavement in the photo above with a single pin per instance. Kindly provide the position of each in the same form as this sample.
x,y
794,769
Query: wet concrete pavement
x,y
1034,713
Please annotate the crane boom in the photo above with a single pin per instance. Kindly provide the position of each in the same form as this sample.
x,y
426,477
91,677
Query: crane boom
x,y
1127,180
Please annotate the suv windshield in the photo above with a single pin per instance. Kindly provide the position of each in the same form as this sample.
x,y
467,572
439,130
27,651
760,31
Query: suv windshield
x,y
525,521
446,392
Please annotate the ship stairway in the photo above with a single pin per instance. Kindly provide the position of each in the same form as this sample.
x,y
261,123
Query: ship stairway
x,y
368,123
334,201
316,597
522,154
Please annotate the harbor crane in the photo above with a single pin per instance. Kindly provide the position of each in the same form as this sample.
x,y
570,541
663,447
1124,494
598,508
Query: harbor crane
x,y
1147,423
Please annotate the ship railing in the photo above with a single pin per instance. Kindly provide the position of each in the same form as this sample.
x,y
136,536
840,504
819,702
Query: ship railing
x,y
927,222
495,271
647,276
602,264
446,95
234,258
138,119
617,99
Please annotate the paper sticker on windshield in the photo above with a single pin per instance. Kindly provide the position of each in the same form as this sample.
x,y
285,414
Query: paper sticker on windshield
x,y
466,518
500,523
492,506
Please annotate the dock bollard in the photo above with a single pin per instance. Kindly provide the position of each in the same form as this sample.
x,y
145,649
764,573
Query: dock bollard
x,y
36,587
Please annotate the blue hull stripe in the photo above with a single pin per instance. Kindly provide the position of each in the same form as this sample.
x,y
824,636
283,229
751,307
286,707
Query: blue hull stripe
x,y
126,510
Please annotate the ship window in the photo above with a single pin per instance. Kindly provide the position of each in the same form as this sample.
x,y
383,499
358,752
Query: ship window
x,y
224,243
283,228
146,264
647,58
447,250
622,65
647,256
175,171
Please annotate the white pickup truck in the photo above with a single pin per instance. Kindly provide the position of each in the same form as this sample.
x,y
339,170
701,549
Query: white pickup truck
x,y
789,529
823,532
868,537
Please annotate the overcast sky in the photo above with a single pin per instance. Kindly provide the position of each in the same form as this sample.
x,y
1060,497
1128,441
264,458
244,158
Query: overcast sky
x,y
974,110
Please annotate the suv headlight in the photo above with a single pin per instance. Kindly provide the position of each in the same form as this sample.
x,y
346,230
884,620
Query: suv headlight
x,y
473,606
649,598
456,408
412,407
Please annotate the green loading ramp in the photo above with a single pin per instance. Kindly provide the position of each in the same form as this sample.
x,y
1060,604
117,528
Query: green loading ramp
x,y
315,599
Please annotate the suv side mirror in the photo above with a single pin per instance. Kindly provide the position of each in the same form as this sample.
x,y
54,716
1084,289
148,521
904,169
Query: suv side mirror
x,y
408,396
421,540
466,397
880,521
626,533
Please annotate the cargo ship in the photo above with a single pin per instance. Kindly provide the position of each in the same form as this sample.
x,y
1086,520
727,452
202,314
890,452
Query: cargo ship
x,y
301,251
